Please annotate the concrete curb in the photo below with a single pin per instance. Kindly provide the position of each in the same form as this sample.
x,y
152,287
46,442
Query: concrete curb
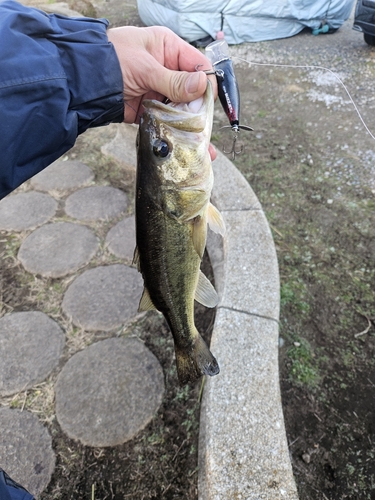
x,y
243,451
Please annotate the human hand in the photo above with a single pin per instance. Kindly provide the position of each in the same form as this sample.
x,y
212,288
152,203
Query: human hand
x,y
155,64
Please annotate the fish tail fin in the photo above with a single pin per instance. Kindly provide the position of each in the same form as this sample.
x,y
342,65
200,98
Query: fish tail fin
x,y
195,361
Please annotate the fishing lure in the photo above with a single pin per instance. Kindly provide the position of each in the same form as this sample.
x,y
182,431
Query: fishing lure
x,y
228,90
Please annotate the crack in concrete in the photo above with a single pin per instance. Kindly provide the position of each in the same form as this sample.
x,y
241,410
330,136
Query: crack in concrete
x,y
233,309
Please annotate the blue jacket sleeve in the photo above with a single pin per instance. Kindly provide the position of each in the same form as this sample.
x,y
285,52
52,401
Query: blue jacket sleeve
x,y
59,76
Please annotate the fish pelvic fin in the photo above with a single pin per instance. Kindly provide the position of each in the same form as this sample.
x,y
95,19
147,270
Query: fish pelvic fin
x,y
215,220
146,303
195,361
205,293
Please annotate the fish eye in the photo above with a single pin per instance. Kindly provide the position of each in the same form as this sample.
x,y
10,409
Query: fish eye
x,y
161,148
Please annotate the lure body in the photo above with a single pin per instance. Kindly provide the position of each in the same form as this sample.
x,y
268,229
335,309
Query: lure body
x,y
229,94
228,90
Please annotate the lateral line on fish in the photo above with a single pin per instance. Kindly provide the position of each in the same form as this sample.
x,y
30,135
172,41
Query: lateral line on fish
x,y
233,309
310,66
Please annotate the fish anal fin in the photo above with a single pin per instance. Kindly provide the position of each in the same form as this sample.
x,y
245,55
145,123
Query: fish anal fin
x,y
215,220
146,303
205,293
199,235
195,361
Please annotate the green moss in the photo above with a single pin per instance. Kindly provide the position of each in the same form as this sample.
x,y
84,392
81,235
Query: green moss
x,y
303,367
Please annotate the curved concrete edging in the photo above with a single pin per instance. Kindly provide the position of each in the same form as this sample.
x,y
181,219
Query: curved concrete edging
x,y
243,451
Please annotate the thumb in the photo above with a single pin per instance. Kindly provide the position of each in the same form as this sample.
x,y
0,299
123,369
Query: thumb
x,y
182,86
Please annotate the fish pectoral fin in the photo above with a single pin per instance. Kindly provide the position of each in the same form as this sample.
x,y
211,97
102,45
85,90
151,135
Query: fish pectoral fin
x,y
215,220
146,303
136,260
205,293
199,235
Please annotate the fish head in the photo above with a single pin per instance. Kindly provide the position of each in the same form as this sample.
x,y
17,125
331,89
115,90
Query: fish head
x,y
173,143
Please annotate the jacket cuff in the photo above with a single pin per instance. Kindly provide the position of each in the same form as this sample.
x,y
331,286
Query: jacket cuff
x,y
92,70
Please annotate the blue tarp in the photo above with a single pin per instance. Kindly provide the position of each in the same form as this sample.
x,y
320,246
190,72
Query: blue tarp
x,y
243,20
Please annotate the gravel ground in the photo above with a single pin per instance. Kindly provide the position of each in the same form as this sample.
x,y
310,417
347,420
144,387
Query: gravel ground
x,y
339,70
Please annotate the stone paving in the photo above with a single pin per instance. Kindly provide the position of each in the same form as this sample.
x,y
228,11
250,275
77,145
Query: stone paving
x,y
96,203
103,298
45,251
70,174
26,211
108,406
35,462
22,361
133,392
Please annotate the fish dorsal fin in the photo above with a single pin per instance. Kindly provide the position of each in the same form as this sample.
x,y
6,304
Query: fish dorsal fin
x,y
199,235
205,293
136,261
215,220
146,303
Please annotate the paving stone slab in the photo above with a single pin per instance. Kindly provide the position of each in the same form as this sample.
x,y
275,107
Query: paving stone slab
x,y
58,249
31,344
121,238
243,450
96,203
118,387
216,250
63,175
103,298
251,270
243,447
122,146
22,211
231,191
26,450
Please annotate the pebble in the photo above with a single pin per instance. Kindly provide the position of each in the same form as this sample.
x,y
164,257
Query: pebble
x,y
118,387
96,203
103,298
23,211
58,249
306,458
121,238
31,344
63,175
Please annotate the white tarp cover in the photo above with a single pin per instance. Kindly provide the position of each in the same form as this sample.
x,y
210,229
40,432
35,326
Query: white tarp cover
x,y
243,20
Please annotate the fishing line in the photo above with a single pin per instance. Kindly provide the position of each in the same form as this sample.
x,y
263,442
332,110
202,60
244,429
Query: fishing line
x,y
308,66
133,109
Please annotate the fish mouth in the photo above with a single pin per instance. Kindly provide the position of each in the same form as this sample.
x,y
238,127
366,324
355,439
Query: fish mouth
x,y
190,117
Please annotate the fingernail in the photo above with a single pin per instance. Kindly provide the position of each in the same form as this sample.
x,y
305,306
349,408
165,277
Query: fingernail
x,y
192,83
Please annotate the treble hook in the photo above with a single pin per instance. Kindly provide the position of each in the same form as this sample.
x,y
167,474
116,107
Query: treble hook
x,y
233,151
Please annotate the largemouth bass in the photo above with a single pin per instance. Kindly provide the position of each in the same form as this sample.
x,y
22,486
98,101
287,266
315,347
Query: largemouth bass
x,y
173,188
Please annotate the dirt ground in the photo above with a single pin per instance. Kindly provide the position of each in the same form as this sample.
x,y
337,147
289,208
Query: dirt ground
x,y
311,163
